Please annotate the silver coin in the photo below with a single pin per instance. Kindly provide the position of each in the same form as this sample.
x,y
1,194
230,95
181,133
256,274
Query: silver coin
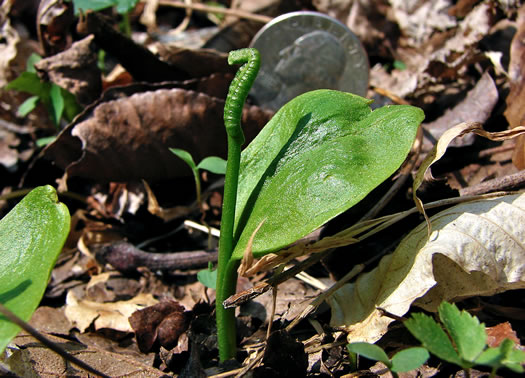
x,y
303,51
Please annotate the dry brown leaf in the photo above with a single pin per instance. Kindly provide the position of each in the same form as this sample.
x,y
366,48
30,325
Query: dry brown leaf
x,y
500,332
54,20
476,107
33,359
515,112
128,139
75,70
81,313
164,321
247,257
418,20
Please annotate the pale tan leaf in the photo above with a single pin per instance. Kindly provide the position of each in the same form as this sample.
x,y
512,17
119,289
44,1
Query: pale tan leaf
x,y
112,315
475,248
247,258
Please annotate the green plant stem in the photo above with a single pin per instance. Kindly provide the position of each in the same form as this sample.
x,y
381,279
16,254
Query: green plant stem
x,y
227,280
227,272
198,187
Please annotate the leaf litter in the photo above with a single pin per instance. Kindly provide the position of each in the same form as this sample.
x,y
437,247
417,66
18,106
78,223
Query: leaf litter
x,y
459,61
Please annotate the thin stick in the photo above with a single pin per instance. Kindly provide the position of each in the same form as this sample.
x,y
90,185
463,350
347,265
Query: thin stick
x,y
48,343
209,9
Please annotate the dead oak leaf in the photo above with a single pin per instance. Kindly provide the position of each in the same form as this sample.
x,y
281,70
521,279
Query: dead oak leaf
x,y
127,139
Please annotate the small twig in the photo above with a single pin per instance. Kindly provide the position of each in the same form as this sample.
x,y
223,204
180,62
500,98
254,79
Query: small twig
x,y
513,181
126,257
48,343
210,9
209,230
496,150
187,18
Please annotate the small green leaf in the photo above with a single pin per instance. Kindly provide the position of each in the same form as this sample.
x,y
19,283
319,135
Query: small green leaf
x,y
71,106
27,106
489,357
31,237
400,65
514,361
125,6
370,351
504,355
41,142
30,64
320,154
466,331
409,359
214,164
94,5
186,157
29,82
57,103
208,277
430,334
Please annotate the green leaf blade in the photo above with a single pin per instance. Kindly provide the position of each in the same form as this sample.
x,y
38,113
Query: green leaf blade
x,y
466,331
208,278
124,6
186,157
31,238
433,338
321,154
29,82
94,5
214,164
409,359
370,351
57,103
27,106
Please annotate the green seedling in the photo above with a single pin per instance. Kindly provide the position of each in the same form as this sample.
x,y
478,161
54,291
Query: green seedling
x,y
58,101
213,164
124,7
208,277
465,341
31,237
318,156
403,361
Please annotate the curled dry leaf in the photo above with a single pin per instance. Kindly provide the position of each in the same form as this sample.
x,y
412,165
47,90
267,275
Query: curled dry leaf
x,y
476,248
75,70
164,321
128,138
113,315
441,147
54,19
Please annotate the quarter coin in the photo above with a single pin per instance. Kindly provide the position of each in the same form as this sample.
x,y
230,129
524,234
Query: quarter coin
x,y
304,51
